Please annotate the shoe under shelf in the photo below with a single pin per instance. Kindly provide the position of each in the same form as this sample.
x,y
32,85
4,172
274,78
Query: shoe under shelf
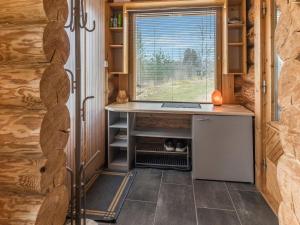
x,y
156,148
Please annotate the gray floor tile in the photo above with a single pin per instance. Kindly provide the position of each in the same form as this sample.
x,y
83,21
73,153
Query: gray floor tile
x,y
145,186
177,177
217,217
212,194
233,186
252,208
137,213
148,171
175,205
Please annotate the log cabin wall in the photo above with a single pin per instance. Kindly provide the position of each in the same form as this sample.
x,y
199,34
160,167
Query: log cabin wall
x,y
93,84
34,119
287,44
247,90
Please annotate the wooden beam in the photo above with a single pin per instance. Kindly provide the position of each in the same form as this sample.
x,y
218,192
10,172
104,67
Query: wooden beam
x,y
40,43
259,73
33,86
31,133
29,209
33,11
165,4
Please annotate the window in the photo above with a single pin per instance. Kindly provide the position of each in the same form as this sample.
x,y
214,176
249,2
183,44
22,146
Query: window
x,y
277,68
175,55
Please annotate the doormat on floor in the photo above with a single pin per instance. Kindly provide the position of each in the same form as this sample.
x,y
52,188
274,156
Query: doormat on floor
x,y
106,193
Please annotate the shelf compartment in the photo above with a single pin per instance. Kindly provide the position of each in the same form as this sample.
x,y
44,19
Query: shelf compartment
x,y
236,73
155,148
116,5
162,161
116,29
117,73
116,46
118,158
122,123
163,133
121,143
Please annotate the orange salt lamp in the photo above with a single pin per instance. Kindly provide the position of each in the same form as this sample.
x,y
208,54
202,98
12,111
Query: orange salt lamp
x,y
217,98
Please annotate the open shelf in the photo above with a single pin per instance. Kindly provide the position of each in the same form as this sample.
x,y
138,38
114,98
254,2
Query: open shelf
x,y
116,5
162,161
117,73
122,143
163,133
122,123
116,29
119,159
116,46
155,148
236,73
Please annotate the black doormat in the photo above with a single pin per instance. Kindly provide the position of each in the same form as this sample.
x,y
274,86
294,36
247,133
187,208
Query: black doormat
x,y
106,194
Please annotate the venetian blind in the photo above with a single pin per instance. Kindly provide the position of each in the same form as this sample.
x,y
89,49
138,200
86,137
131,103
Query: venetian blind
x,y
175,55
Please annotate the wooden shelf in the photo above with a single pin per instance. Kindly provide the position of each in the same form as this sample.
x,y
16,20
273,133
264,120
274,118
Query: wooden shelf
x,y
117,73
236,44
237,73
116,5
163,133
116,46
235,25
116,29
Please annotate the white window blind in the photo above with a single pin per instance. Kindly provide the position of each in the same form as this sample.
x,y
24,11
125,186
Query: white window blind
x,y
175,55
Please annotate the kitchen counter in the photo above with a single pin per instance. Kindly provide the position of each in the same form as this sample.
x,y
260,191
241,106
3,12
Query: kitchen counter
x,y
206,109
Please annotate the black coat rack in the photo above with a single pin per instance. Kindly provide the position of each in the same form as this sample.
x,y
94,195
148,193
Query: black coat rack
x,y
78,21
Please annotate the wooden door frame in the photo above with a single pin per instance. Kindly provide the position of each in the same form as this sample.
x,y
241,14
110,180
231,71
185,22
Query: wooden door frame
x,y
259,75
268,104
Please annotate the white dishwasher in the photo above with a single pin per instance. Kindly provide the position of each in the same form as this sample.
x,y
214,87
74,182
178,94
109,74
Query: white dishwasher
x,y
222,148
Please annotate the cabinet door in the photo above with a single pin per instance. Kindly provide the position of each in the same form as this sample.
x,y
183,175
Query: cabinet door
x,y
223,148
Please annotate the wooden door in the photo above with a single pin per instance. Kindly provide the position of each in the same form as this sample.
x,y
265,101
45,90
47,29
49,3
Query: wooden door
x,y
272,149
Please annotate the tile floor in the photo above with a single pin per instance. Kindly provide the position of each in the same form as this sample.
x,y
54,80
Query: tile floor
x,y
165,197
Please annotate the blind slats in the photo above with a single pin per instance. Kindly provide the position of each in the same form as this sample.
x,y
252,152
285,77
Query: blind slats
x,y
175,55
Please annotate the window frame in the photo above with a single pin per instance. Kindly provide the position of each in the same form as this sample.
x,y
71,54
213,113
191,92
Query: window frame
x,y
132,50
275,77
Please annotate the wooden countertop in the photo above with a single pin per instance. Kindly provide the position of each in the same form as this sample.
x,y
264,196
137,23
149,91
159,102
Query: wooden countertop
x,y
207,109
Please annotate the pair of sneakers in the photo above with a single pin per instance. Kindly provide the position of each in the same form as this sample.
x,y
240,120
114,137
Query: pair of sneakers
x,y
174,145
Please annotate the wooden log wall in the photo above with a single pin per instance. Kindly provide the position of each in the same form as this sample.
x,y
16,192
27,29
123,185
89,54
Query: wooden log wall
x,y
247,90
287,45
34,119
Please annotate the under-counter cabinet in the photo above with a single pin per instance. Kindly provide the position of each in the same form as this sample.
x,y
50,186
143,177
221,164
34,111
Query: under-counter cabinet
x,y
222,148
